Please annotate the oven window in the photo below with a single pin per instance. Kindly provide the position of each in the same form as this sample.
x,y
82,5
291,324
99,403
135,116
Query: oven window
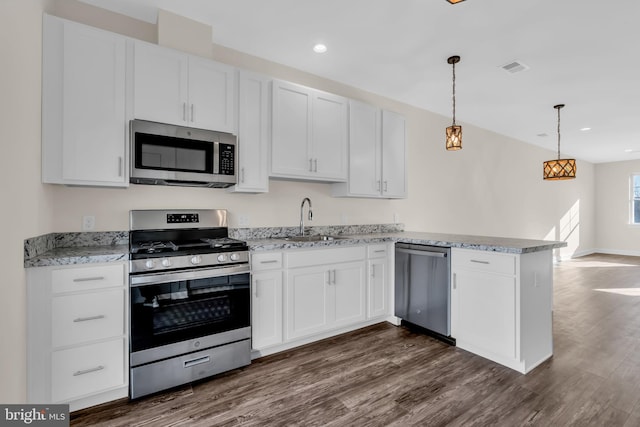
x,y
177,311
173,154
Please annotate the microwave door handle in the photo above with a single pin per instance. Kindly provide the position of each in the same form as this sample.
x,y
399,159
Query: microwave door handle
x,y
179,183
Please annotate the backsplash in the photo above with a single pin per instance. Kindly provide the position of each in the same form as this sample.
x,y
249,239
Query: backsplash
x,y
280,232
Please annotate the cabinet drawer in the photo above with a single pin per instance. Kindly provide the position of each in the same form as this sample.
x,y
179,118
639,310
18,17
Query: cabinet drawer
x,y
85,317
266,261
377,251
302,258
489,262
86,278
84,370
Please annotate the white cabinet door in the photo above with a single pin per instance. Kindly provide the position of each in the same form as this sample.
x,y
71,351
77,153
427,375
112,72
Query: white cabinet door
x,y
254,124
378,289
307,301
177,88
160,84
377,154
484,312
266,309
364,151
211,95
347,291
329,136
394,155
290,150
309,135
83,107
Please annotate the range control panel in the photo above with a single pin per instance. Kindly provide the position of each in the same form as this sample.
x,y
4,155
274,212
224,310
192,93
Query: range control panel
x,y
182,218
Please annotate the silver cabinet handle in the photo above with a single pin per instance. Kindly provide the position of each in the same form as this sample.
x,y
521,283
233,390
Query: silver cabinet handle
x,y
315,165
88,279
310,165
120,165
380,251
373,270
271,261
198,361
86,319
379,185
334,277
184,111
477,261
385,186
88,371
242,175
192,119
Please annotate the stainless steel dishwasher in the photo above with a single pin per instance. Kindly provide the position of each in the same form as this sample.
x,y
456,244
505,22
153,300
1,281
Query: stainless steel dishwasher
x,y
422,288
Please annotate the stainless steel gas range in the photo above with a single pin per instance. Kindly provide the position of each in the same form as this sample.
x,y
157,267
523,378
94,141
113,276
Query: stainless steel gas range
x,y
189,298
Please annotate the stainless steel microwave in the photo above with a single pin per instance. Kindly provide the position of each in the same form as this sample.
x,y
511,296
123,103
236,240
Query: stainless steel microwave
x,y
164,154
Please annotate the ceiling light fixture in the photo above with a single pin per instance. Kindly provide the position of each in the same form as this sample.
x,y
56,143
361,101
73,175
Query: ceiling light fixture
x,y
454,132
455,1
320,48
560,168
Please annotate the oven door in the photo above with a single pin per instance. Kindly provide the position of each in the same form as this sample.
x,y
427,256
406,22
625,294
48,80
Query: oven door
x,y
171,308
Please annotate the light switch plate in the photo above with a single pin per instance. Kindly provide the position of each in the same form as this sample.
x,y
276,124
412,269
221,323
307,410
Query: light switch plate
x,y
88,222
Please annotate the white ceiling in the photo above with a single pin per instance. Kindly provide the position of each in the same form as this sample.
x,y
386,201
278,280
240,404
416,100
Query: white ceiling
x,y
583,53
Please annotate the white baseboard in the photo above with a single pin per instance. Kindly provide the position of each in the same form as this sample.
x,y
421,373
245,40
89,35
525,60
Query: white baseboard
x,y
616,252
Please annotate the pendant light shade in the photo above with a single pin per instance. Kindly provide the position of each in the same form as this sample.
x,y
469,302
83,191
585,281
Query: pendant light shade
x,y
559,169
454,132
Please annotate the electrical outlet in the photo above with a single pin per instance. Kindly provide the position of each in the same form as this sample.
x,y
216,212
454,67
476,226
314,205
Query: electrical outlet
x,y
344,219
88,222
243,220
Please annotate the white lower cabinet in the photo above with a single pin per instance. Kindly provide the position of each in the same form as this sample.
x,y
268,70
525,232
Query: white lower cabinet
x,y
77,334
302,295
324,297
501,306
378,288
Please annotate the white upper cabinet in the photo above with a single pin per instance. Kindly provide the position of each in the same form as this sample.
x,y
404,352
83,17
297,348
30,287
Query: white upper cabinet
x,y
254,132
174,87
377,154
84,131
309,134
394,155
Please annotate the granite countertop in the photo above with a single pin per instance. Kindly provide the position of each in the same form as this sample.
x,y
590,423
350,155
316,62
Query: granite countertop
x,y
84,248
483,243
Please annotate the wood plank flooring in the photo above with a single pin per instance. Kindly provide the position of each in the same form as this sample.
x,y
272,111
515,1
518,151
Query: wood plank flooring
x,y
388,376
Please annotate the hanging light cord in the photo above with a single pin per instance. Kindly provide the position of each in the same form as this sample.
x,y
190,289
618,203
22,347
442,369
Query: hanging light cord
x,y
559,132
454,93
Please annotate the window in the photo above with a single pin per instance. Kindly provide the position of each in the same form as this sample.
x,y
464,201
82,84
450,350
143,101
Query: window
x,y
635,199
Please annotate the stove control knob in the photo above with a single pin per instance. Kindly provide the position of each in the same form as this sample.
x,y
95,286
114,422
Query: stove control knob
x,y
196,260
166,262
222,258
149,264
235,257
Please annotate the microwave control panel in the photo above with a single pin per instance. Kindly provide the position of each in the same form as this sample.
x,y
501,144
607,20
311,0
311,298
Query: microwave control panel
x,y
226,159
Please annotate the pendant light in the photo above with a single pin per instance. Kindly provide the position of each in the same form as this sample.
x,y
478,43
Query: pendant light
x,y
454,132
560,168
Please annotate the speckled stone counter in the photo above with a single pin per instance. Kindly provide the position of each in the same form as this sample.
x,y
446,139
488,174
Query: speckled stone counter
x,y
89,247
483,243
76,248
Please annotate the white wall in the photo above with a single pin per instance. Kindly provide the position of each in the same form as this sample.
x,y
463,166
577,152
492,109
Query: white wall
x,y
492,187
614,233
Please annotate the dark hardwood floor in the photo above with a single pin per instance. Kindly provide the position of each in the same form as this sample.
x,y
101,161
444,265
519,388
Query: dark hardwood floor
x,y
388,376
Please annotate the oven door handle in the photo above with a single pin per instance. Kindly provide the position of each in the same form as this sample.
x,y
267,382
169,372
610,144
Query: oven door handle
x,y
167,277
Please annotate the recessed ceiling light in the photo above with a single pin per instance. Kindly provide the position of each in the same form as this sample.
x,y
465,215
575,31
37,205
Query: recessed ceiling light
x,y
629,150
320,48
585,129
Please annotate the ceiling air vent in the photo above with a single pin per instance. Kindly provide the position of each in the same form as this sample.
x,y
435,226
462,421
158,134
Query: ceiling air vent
x,y
514,67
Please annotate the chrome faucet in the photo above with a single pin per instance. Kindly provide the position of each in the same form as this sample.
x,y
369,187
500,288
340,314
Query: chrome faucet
x,y
306,199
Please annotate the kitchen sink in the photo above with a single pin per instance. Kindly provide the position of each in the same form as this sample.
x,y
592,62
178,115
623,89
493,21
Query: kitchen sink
x,y
313,238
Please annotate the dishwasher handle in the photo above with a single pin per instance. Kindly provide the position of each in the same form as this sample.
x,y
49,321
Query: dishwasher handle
x,y
422,253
